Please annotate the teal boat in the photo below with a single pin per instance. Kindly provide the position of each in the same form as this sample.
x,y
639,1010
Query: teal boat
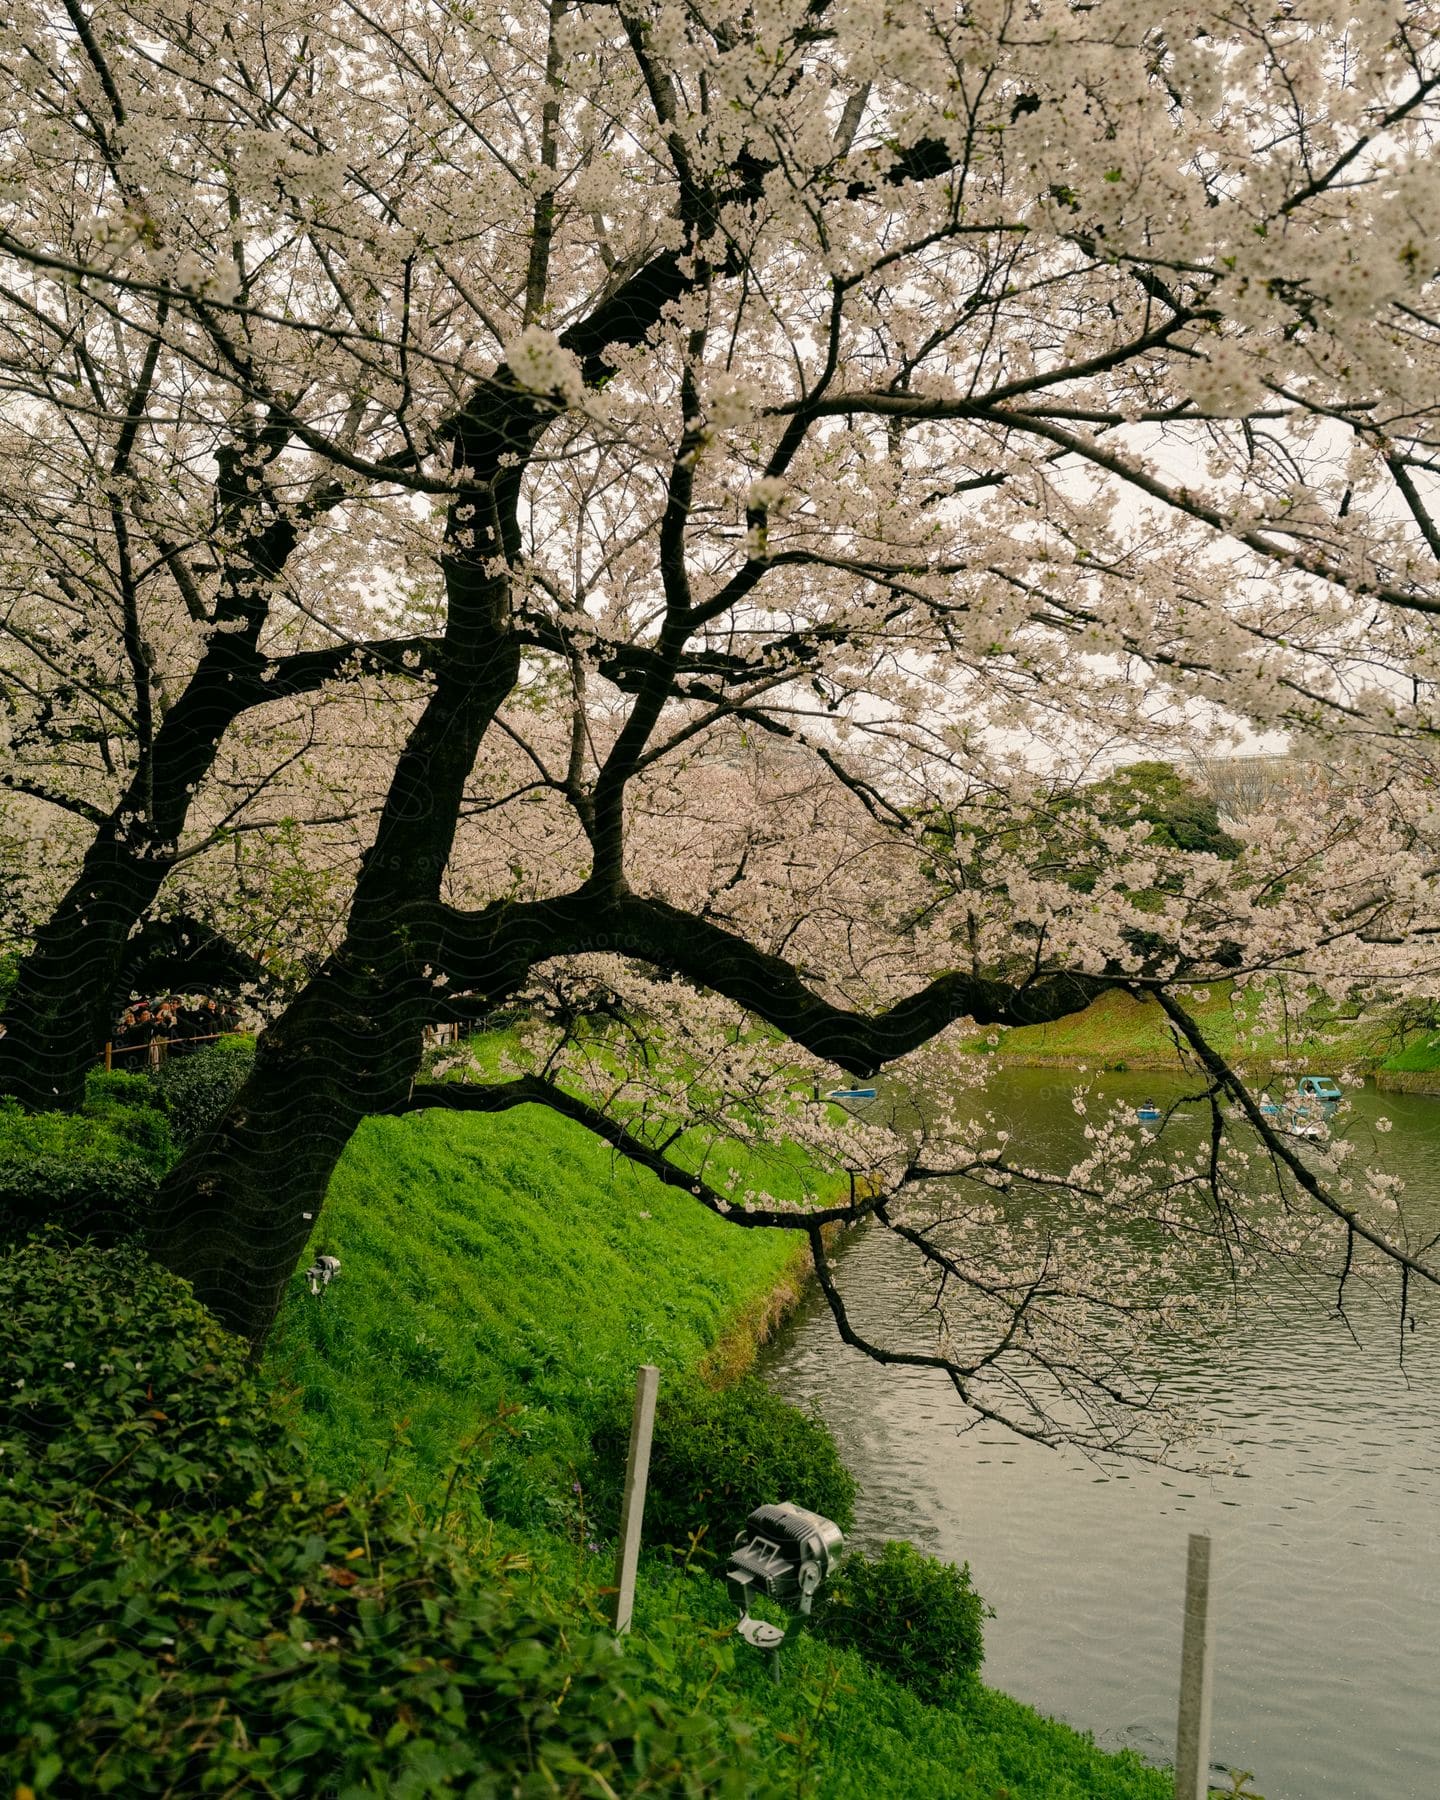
x,y
1321,1088
851,1094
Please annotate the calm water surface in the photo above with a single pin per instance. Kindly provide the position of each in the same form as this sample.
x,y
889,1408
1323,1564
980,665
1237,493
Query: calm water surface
x,y
1326,1547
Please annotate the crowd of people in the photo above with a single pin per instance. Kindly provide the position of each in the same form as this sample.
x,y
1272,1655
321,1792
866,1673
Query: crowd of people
x,y
182,1021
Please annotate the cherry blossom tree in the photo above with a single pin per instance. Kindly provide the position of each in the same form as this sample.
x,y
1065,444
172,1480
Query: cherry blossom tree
x,y
814,417
169,571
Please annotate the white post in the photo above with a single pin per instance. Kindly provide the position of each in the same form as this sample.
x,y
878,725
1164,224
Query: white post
x,y
632,1507
1197,1658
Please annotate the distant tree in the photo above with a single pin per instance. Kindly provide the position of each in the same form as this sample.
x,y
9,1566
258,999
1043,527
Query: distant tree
x,y
1182,815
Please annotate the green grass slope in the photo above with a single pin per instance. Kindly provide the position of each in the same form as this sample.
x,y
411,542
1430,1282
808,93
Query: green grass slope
x,y
850,1732
502,1261
1117,1028
499,1277
1421,1057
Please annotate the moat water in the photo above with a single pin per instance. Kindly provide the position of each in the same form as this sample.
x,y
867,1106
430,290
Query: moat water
x,y
1326,1544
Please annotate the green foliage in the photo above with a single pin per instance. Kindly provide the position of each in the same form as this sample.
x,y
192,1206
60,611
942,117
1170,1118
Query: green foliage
x,y
718,1455
1182,816
125,1384
9,971
508,1260
94,1172
115,1088
185,1608
865,1734
85,1196
908,1613
124,1105
197,1087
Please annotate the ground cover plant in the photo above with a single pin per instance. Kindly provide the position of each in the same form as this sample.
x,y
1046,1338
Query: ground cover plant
x,y
187,1608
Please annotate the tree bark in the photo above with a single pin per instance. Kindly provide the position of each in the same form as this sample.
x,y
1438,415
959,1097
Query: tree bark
x,y
235,1215
62,1005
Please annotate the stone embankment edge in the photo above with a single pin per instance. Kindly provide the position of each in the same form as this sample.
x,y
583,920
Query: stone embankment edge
x,y
1408,1081
734,1352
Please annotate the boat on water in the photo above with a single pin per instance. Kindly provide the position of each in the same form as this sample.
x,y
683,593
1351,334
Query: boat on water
x,y
851,1094
1321,1088
1148,1113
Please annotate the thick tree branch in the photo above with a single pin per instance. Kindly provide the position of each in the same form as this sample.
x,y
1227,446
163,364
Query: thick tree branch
x,y
491,953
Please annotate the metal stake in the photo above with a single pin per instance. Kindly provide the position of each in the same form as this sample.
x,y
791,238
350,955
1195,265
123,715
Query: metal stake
x,y
632,1507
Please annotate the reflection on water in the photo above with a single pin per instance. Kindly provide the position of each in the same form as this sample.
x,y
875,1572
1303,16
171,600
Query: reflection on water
x,y
1326,1561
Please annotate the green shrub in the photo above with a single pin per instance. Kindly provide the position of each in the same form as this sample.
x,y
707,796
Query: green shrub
x,y
105,1088
112,1124
124,1107
716,1456
84,1196
196,1088
93,1172
184,1608
908,1613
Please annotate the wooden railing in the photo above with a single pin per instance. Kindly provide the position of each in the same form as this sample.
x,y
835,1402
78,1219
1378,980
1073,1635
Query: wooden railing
x,y
157,1049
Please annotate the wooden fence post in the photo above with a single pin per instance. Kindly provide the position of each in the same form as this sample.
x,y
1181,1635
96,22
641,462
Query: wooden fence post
x,y
1197,1659
109,1051
632,1507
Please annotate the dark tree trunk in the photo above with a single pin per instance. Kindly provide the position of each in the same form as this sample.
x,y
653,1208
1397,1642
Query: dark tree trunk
x,y
62,1005
232,1214
235,1214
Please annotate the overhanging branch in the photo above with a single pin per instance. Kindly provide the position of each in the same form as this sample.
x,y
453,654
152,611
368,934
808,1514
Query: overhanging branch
x,y
534,1090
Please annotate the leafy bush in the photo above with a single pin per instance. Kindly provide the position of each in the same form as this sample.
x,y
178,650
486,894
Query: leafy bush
x,y
124,1107
93,1173
185,1608
85,1196
908,1613
718,1455
196,1088
115,1087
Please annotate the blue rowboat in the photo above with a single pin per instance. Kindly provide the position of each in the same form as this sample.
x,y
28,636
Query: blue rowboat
x,y
851,1094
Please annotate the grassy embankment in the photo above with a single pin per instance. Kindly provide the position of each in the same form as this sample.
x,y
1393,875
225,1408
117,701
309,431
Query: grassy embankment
x,y
511,1262
1415,1069
1118,1030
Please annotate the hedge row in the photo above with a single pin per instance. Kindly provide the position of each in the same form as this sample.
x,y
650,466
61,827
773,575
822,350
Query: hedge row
x,y
95,1173
185,1609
